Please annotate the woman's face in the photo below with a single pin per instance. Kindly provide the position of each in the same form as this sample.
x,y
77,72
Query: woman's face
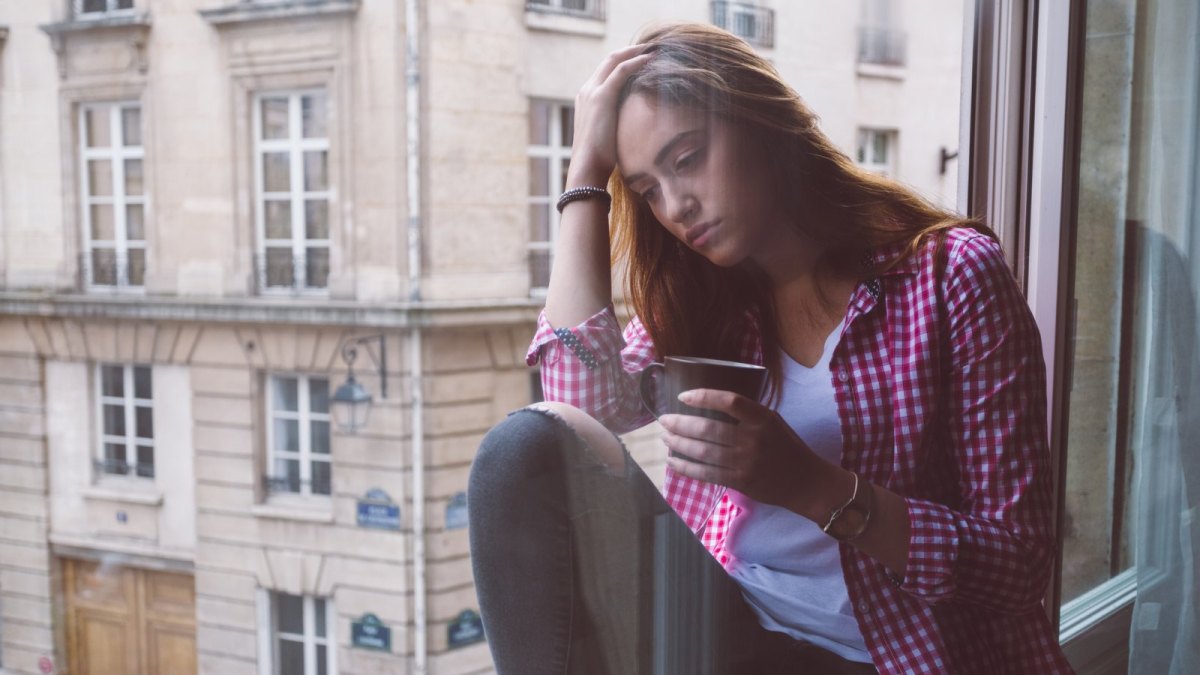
x,y
695,178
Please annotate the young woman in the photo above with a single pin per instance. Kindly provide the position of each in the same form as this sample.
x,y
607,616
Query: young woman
x,y
885,507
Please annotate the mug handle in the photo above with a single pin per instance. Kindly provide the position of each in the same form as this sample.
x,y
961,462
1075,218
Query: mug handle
x,y
647,379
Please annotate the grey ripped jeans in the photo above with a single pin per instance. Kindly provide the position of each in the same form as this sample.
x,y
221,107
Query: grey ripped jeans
x,y
583,568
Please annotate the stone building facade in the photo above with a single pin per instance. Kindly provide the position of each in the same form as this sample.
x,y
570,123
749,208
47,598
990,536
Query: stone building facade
x,y
204,203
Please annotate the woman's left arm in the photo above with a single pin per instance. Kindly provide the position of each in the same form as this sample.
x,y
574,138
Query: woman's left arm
x,y
997,548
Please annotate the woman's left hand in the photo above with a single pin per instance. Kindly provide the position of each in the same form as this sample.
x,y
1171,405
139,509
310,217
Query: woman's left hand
x,y
760,456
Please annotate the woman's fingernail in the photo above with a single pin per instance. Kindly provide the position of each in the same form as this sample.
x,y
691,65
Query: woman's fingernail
x,y
687,397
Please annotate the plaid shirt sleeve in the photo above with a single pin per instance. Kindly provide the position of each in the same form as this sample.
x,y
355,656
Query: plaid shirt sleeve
x,y
594,367
996,547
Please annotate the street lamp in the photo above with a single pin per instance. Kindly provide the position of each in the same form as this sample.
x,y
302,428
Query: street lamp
x,y
351,403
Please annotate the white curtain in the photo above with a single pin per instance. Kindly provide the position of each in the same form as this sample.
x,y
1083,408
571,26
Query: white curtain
x,y
1165,210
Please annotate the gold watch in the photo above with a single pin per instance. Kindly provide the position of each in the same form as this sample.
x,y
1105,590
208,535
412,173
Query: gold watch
x,y
850,520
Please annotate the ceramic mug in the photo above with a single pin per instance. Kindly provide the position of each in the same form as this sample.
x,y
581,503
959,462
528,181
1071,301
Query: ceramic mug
x,y
661,383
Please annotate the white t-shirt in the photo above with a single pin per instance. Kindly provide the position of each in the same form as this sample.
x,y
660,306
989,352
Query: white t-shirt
x,y
789,570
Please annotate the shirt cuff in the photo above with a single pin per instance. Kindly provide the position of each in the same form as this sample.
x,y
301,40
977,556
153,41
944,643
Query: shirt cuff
x,y
933,547
592,342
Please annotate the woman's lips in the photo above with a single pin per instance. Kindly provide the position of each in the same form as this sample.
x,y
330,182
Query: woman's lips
x,y
698,235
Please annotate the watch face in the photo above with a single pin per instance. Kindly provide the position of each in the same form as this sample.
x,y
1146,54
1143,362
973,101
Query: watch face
x,y
850,523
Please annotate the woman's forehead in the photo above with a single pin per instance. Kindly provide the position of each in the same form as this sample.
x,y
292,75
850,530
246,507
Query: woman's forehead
x,y
644,126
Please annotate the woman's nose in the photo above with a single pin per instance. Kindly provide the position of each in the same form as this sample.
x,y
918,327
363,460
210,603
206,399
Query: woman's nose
x,y
683,208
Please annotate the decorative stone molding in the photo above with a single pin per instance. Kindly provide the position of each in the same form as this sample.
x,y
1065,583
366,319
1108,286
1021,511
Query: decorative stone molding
x,y
135,26
246,12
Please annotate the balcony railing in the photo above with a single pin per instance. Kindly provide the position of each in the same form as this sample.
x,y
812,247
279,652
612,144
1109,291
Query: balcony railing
x,y
752,23
274,484
591,9
274,273
105,267
882,46
120,467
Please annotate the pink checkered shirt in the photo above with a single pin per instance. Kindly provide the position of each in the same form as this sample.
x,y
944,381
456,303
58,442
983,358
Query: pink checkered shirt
x,y
941,395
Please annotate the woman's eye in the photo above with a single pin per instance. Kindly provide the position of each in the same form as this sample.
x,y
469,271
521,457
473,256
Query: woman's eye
x,y
650,193
687,160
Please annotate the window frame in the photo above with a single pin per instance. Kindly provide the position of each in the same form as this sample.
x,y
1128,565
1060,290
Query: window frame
x,y
559,157
891,137
268,634
304,418
295,145
117,154
111,9
129,403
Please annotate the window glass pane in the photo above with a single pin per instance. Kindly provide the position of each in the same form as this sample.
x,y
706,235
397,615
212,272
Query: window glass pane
x,y
566,115
285,393
287,435
289,613
278,216
315,176
97,127
313,113
141,382
291,657
281,269
539,176
114,419
274,118
135,223
322,660
318,394
320,437
539,123
137,266
145,461
124,4
100,177
320,478
133,177
286,475
112,381
131,126
316,219
114,458
276,172
319,613
104,267
317,267
145,422
103,226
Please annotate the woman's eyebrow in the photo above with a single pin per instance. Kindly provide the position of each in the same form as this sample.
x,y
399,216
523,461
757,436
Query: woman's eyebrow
x,y
666,151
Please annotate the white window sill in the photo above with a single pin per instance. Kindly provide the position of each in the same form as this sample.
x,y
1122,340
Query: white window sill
x,y
293,507
128,490
882,71
564,23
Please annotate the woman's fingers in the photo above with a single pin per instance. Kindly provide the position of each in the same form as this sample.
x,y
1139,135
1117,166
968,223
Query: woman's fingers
x,y
735,405
700,451
713,431
614,59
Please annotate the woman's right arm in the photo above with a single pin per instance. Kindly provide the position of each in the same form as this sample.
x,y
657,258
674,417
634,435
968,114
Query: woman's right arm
x,y
580,282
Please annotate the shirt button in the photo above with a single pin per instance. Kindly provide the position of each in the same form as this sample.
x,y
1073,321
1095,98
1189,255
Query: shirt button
x,y
843,375
862,607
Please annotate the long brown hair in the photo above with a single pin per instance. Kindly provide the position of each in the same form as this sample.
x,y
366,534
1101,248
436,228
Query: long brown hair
x,y
691,306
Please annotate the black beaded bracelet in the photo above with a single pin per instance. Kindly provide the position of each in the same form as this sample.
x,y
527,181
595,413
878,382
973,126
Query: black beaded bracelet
x,y
585,192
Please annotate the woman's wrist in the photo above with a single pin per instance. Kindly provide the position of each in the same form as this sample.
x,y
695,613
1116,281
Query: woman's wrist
x,y
586,174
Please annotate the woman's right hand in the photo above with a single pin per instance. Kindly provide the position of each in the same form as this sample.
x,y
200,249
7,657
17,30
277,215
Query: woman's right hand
x,y
594,151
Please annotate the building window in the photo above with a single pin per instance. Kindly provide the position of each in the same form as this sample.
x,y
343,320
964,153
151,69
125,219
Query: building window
x,y
88,8
292,186
551,126
879,39
752,23
877,150
300,643
298,435
589,8
126,414
113,199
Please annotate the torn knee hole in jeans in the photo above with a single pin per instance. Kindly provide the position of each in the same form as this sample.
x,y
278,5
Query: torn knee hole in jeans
x,y
582,444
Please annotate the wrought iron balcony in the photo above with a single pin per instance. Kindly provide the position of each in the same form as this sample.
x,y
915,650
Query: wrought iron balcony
x,y
274,273
273,484
119,467
882,46
108,268
752,23
591,9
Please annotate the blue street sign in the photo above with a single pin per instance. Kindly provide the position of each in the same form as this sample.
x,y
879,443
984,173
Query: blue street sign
x,y
370,633
376,509
456,512
466,629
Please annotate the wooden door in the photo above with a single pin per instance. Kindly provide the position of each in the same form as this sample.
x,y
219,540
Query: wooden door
x,y
124,620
